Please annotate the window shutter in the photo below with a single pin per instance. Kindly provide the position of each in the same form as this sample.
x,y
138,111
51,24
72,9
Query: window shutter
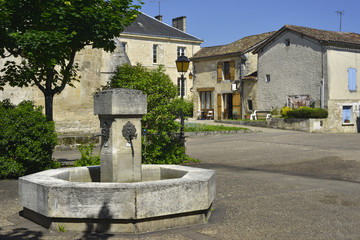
x,y
352,79
219,106
219,72
232,70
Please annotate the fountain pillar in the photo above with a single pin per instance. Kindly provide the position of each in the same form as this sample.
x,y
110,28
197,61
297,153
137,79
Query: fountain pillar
x,y
120,112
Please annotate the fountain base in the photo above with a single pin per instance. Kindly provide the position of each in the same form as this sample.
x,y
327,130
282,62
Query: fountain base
x,y
169,196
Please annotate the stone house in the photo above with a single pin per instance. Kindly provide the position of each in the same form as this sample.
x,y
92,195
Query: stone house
x,y
151,42
303,66
73,108
225,77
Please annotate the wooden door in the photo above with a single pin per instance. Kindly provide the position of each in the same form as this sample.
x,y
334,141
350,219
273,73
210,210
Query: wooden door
x,y
236,98
219,106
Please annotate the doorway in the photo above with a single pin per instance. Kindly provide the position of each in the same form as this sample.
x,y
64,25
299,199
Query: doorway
x,y
228,105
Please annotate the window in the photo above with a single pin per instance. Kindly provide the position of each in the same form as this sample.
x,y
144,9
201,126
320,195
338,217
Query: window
x,y
352,79
267,78
206,101
250,104
287,42
226,70
155,53
347,114
179,86
124,45
181,51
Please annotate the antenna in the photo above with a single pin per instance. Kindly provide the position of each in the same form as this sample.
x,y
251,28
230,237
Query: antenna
x,y
158,4
341,13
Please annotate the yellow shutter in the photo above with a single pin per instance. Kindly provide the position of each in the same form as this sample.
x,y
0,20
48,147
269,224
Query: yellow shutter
x,y
232,70
236,103
219,72
219,106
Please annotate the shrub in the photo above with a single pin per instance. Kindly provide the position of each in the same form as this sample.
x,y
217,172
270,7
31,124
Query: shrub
x,y
274,111
10,168
285,110
160,144
87,156
307,112
27,139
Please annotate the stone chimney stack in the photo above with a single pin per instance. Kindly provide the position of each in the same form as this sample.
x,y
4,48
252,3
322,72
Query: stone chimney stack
x,y
159,17
179,23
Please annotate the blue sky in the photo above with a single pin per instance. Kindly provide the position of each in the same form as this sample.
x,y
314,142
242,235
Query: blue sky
x,y
222,22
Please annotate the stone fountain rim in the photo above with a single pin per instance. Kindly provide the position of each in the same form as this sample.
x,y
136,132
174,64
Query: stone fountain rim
x,y
47,178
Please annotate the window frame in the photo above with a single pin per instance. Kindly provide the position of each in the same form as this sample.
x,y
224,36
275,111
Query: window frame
x,y
207,96
179,86
181,50
155,53
347,115
226,70
124,46
267,78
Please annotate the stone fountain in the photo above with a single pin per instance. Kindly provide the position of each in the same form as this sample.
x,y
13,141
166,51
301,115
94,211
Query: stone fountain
x,y
121,195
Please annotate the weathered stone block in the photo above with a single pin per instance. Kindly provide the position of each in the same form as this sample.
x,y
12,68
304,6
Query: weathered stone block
x,y
120,101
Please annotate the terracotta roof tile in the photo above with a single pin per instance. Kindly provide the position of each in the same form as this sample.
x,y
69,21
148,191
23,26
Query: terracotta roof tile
x,y
238,46
326,36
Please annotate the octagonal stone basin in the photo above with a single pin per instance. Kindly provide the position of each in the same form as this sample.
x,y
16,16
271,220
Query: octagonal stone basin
x,y
73,198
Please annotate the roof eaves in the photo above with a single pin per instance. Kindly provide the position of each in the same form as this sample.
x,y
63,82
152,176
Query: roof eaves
x,y
215,56
161,36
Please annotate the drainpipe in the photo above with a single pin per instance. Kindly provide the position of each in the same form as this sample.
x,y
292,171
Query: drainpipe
x,y
242,62
322,83
322,90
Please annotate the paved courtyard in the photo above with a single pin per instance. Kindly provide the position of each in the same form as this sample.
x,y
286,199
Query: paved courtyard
x,y
273,184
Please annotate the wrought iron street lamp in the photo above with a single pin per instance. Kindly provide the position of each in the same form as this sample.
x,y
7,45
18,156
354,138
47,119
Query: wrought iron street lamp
x,y
182,65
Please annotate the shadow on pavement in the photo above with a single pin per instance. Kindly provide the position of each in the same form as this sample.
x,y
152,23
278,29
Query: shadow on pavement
x,y
20,233
333,168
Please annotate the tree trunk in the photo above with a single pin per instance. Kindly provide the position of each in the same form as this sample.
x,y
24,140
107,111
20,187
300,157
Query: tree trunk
x,y
49,98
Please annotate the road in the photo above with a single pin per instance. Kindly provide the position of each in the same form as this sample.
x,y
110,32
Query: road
x,y
274,184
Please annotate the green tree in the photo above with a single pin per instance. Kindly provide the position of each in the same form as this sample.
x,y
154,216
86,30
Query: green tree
x,y
160,144
48,34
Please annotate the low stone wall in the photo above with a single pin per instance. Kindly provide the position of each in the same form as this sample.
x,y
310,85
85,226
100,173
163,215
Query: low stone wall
x,y
296,124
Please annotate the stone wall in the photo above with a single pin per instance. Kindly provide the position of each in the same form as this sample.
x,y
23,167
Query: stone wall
x,y
140,50
296,124
73,108
205,79
294,70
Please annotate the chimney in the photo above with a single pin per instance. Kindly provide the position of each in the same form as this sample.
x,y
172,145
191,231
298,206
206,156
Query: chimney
x,y
159,17
179,23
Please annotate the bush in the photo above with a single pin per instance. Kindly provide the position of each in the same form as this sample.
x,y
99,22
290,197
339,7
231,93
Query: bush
x,y
27,140
87,156
307,112
284,111
160,144
10,169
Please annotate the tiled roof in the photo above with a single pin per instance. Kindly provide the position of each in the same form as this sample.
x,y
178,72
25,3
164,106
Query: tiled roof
x,y
145,25
238,46
346,39
326,36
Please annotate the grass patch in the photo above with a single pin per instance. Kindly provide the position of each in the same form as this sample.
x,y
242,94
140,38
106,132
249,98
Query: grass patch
x,y
194,127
